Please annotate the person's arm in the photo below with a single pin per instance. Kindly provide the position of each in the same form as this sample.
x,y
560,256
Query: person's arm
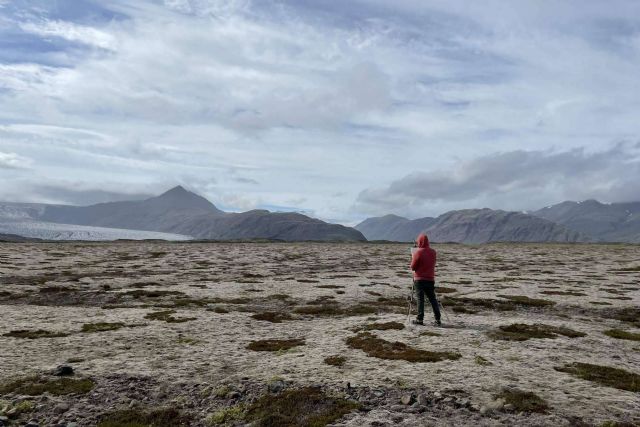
x,y
415,258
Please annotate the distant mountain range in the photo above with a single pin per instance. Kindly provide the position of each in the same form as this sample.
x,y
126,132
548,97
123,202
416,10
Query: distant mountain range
x,y
609,222
470,226
178,212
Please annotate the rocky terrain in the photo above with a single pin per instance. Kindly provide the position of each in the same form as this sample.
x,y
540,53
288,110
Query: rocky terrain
x,y
470,226
205,334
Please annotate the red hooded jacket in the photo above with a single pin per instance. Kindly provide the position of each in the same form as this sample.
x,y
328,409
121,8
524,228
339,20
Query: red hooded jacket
x,y
423,261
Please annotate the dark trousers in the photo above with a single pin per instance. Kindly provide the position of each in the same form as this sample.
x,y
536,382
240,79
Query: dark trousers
x,y
426,287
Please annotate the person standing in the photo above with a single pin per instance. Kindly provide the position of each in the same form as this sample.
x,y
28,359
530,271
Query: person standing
x,y
423,264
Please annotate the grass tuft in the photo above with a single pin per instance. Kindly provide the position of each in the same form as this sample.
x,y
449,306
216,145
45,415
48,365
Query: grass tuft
x,y
605,375
382,349
335,360
101,327
622,335
523,332
159,417
305,407
380,326
35,385
523,401
32,335
275,345
167,316
272,316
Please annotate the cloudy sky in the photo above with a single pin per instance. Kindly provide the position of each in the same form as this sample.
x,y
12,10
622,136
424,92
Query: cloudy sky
x,y
341,109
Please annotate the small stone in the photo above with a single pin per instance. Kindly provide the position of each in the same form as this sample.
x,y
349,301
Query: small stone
x,y
397,408
63,371
61,408
233,395
407,399
508,407
437,395
133,403
447,400
423,399
72,424
378,393
463,402
276,386
32,423
484,410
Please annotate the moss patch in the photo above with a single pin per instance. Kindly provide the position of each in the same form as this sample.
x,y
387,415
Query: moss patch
x,y
158,417
528,302
272,316
35,385
523,401
622,335
382,349
380,326
482,361
275,345
227,415
305,407
627,314
167,316
605,375
335,360
101,327
40,333
523,332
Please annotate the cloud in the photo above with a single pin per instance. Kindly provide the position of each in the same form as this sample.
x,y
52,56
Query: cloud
x,y
517,179
13,161
72,32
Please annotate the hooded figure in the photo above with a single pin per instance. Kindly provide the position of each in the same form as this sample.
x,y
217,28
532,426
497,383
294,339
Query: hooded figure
x,y
423,264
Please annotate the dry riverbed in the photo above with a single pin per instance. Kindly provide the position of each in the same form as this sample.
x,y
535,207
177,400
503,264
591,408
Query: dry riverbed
x,y
204,334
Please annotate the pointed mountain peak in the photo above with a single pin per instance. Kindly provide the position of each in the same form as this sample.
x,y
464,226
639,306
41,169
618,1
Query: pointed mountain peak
x,y
180,197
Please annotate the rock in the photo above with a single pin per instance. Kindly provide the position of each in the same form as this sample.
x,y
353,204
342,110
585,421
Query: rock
x,y
72,424
133,403
63,371
508,407
32,423
61,408
437,395
234,395
423,399
397,408
378,393
278,386
463,402
447,400
407,399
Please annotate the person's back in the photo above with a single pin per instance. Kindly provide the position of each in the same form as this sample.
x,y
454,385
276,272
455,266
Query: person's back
x,y
423,261
423,264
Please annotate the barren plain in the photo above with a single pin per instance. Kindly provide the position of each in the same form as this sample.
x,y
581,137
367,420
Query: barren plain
x,y
270,334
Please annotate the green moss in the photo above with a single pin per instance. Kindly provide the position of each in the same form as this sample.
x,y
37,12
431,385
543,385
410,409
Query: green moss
x,y
227,415
523,401
523,332
430,334
305,407
101,327
272,316
335,360
605,375
40,333
275,345
34,385
158,417
571,293
622,335
627,314
382,349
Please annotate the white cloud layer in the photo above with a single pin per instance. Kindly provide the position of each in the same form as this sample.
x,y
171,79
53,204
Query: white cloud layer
x,y
263,103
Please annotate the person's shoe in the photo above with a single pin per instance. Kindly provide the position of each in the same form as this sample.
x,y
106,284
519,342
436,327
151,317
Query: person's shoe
x,y
437,323
417,322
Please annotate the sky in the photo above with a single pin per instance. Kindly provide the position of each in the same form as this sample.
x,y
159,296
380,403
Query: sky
x,y
338,109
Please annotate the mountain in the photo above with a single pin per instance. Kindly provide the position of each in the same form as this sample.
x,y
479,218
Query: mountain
x,y
393,227
178,211
610,222
470,226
